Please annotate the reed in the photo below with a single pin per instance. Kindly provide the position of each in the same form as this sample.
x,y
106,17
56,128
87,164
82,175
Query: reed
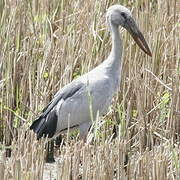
x,y
46,44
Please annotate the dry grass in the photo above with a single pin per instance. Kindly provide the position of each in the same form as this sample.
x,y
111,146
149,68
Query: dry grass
x,y
45,44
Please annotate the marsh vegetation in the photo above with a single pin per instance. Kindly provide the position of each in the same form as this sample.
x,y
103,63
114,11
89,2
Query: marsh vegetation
x,y
46,44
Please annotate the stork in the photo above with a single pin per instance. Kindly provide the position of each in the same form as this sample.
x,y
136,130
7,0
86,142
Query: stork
x,y
76,104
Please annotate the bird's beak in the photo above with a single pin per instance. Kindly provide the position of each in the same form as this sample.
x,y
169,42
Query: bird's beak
x,y
138,37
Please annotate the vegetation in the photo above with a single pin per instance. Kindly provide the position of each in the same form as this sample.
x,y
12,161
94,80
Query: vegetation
x,y
46,44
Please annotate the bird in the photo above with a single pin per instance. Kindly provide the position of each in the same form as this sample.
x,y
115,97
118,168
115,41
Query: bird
x,y
78,103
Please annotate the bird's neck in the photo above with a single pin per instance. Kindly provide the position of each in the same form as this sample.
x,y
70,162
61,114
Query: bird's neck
x,y
114,60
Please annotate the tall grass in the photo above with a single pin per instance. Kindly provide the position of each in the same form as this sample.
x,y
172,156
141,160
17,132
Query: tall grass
x,y
46,44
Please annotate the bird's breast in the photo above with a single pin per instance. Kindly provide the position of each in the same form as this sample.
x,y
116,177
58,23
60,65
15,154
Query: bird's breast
x,y
101,92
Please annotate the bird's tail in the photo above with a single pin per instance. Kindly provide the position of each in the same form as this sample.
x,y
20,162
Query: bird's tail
x,y
45,125
38,126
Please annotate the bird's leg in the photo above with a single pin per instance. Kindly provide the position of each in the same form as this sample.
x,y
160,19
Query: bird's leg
x,y
50,152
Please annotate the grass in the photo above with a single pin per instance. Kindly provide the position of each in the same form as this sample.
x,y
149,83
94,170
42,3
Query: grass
x,y
44,45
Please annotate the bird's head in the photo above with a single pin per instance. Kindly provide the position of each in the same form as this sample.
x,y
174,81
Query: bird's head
x,y
118,15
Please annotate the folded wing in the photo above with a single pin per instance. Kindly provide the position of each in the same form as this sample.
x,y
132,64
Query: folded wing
x,y
46,123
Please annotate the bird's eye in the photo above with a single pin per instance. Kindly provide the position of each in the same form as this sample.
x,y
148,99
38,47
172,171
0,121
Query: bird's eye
x,y
123,15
